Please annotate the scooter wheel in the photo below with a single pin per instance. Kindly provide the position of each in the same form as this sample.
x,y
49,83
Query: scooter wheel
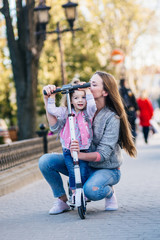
x,y
82,209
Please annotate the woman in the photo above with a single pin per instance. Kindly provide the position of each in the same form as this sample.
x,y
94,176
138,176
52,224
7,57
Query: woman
x,y
110,131
146,113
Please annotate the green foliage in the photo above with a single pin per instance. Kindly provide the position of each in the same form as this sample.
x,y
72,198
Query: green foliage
x,y
81,56
7,91
1,140
106,24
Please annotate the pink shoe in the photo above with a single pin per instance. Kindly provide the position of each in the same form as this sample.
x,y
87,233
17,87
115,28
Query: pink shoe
x,y
86,199
111,203
58,207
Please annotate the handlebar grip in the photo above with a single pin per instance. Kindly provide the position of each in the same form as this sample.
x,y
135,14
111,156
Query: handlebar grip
x,y
81,86
57,90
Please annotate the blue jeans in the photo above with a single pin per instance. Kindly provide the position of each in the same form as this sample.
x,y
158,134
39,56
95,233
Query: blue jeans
x,y
97,186
70,166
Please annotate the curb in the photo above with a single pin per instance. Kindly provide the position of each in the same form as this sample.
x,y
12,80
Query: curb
x,y
19,176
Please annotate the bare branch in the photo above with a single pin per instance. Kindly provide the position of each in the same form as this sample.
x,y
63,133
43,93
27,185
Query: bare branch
x,y
9,27
2,10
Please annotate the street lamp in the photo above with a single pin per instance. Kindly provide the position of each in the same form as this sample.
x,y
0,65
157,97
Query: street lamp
x,y
70,12
42,12
42,16
43,19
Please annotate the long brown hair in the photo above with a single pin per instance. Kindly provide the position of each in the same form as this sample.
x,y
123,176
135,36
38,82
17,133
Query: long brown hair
x,y
114,102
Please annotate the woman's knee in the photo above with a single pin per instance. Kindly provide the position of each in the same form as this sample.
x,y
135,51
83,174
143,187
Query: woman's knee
x,y
91,191
96,192
43,162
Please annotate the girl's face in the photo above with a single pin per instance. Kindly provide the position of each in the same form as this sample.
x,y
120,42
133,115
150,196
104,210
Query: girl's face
x,y
78,100
97,86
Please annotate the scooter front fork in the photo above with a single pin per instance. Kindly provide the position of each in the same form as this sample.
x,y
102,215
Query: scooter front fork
x,y
79,188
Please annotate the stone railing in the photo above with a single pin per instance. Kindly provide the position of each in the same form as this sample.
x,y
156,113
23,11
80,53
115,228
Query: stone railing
x,y
26,150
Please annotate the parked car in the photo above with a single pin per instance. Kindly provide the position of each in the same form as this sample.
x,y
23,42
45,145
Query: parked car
x,y
4,133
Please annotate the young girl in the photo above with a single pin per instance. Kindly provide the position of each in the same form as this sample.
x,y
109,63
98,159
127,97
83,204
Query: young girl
x,y
83,107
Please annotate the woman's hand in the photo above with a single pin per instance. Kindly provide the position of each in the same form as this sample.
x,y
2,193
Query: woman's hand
x,y
49,90
87,90
74,147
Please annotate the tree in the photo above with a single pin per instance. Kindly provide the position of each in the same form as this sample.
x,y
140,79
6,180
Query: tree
x,y
25,48
106,25
7,107
120,24
80,54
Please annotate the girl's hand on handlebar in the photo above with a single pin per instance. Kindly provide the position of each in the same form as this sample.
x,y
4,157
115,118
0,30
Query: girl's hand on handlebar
x,y
49,90
74,147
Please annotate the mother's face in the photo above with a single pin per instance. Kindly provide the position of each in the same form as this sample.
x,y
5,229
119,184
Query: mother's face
x,y
97,86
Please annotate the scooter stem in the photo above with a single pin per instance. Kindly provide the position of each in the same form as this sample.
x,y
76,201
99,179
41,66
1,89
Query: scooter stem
x,y
72,132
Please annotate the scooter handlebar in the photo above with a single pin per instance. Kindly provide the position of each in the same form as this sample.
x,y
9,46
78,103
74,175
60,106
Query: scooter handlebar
x,y
85,85
69,87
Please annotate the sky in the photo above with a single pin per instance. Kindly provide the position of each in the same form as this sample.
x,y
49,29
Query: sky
x,y
147,49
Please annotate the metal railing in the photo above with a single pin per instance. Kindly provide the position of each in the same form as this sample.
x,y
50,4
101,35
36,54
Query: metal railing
x,y
23,151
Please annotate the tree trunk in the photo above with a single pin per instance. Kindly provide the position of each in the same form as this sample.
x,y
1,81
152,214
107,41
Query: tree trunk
x,y
26,102
24,53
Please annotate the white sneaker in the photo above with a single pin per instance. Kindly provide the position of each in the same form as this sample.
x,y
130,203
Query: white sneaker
x,y
111,204
58,207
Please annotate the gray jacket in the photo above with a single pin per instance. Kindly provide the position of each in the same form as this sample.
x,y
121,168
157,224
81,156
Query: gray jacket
x,y
106,127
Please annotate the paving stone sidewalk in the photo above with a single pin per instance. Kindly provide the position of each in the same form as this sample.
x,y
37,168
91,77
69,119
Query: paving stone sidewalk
x,y
24,213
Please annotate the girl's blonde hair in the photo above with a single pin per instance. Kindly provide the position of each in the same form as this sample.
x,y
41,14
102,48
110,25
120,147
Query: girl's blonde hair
x,y
114,102
75,81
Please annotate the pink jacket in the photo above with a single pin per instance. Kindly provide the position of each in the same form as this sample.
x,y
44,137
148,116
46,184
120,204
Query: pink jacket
x,y
83,127
82,122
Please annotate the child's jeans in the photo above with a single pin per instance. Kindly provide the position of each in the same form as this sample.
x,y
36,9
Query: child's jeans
x,y
70,166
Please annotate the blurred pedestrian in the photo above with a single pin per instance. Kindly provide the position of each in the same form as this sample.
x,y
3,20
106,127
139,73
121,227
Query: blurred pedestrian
x,y
146,113
130,105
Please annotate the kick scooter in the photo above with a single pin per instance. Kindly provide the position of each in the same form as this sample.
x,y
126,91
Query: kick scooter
x,y
80,203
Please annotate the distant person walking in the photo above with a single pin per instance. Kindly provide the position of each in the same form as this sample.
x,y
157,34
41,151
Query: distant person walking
x,y
130,104
146,113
